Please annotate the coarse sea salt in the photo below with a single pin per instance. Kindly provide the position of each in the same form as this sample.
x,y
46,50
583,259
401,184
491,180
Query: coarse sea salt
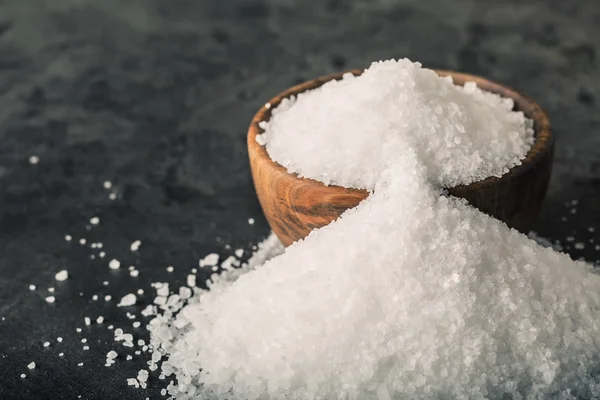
x,y
413,293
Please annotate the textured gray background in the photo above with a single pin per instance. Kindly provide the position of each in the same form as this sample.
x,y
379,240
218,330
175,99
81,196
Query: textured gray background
x,y
156,96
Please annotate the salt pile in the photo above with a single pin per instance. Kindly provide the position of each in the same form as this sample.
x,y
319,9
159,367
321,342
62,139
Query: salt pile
x,y
412,294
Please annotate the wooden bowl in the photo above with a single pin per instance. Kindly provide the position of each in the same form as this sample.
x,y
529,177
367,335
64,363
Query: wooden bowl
x,y
295,206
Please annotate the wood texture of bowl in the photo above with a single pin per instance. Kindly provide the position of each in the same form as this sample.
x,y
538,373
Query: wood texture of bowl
x,y
295,206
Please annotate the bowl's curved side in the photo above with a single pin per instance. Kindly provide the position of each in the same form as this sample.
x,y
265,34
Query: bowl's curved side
x,y
295,206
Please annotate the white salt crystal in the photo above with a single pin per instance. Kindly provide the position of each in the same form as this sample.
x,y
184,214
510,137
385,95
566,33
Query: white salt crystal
x,y
129,358
31,365
107,184
50,299
107,297
579,246
191,280
239,253
95,297
46,344
102,254
135,245
251,221
82,241
68,238
94,220
34,160
87,321
51,289
100,320
140,291
112,354
62,275
169,269
136,324
23,376
209,260
112,196
114,264
59,339
31,287
61,354
134,273
127,300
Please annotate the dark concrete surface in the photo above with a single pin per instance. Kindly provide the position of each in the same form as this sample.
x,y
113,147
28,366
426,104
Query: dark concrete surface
x,y
156,96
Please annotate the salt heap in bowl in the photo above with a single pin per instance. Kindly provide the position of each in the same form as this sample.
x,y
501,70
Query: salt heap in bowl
x,y
412,294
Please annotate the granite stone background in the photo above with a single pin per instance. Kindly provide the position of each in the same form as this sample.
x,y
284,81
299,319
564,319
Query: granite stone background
x,y
156,96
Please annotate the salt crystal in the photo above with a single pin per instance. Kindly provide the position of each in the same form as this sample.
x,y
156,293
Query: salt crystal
x,y
94,220
51,289
61,275
114,264
23,376
135,246
31,365
251,221
50,299
87,321
136,324
191,280
34,160
100,320
107,297
107,184
209,260
169,269
31,287
68,238
95,297
82,241
59,339
46,344
127,300
239,252
134,273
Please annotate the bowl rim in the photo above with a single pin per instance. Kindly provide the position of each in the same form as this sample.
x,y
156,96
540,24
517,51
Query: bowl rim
x,y
543,136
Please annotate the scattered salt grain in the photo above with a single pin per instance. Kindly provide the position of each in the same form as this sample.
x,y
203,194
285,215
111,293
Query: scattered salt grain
x,y
107,297
50,299
23,376
102,254
114,264
68,238
34,160
51,289
112,196
85,348
31,287
169,269
135,246
209,260
94,220
46,344
61,354
251,221
59,339
87,321
239,253
82,241
31,365
579,246
95,297
107,184
140,291
62,275
191,280
84,340
127,300
100,320
134,273
105,283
